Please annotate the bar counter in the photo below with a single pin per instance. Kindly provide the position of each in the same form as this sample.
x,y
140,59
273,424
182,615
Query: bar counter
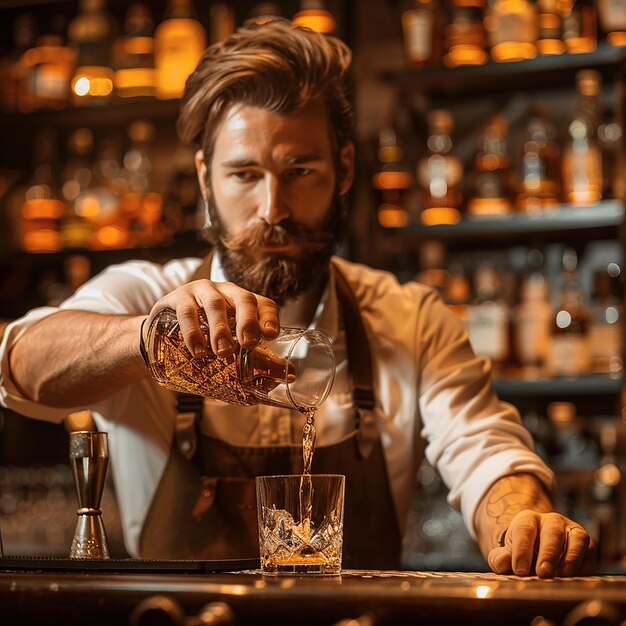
x,y
94,596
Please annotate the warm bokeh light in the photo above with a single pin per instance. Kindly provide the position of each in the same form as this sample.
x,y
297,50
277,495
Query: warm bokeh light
x,y
440,215
392,216
316,19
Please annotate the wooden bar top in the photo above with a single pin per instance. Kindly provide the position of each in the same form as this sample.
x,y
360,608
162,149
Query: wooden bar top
x,y
94,597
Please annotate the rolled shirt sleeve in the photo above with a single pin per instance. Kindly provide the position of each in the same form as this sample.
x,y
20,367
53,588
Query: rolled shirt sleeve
x,y
473,438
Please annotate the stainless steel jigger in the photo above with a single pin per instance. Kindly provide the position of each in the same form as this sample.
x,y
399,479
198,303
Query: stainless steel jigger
x,y
89,457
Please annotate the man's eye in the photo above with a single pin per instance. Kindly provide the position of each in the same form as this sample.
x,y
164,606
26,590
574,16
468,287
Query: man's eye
x,y
299,171
244,176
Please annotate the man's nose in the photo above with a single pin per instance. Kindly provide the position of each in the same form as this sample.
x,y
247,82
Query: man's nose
x,y
273,208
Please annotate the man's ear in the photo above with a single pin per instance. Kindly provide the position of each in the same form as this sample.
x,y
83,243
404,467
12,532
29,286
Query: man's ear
x,y
201,171
346,168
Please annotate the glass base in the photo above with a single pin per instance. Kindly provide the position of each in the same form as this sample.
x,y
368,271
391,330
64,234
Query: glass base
x,y
303,569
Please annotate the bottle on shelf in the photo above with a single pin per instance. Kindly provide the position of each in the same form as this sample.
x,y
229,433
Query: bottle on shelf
x,y
12,67
392,182
582,156
610,136
573,448
612,15
181,198
511,27
491,178
550,27
606,486
264,11
314,14
141,206
133,54
180,41
222,22
421,32
439,173
76,230
488,318
465,40
533,318
49,66
100,204
540,184
92,32
43,209
433,272
456,292
569,353
607,320
580,32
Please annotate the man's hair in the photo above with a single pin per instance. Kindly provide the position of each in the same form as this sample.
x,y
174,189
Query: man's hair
x,y
275,66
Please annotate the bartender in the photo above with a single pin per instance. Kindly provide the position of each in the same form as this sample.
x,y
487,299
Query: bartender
x,y
269,113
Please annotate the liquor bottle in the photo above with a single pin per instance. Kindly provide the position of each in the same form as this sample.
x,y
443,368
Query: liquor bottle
x,y
574,449
456,292
392,182
533,318
134,54
582,156
92,31
49,68
569,343
610,134
141,207
43,209
540,185
264,12
433,272
439,173
550,27
314,14
180,41
420,29
181,197
465,38
605,492
12,68
607,319
580,32
76,230
511,26
491,178
100,204
488,318
222,22
612,14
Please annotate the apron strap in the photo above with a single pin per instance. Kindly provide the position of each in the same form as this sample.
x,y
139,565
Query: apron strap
x,y
359,366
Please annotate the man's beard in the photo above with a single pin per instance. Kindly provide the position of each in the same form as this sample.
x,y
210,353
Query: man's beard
x,y
279,276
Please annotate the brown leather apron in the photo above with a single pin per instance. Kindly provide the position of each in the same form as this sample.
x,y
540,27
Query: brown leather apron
x,y
205,504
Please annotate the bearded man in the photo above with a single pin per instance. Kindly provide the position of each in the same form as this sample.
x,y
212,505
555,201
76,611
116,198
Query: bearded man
x,y
269,113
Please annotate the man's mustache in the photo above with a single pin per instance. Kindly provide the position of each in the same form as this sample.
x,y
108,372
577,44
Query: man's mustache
x,y
284,234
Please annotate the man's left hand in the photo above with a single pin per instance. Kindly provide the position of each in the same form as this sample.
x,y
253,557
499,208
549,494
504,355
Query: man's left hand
x,y
545,544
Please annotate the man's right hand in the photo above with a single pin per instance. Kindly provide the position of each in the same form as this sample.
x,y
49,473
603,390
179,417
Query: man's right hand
x,y
256,316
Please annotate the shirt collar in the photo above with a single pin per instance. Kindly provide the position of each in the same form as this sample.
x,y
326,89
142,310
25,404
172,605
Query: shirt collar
x,y
326,317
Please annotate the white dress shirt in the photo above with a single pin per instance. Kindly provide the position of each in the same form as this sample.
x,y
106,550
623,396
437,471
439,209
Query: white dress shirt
x,y
429,387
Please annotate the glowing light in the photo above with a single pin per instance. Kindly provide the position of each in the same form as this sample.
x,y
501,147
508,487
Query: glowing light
x,y
82,86
483,591
315,19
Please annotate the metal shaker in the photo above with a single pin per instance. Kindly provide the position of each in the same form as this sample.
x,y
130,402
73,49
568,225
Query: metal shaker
x,y
89,458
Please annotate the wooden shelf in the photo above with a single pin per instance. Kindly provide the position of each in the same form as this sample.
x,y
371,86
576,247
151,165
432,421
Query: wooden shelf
x,y
589,222
111,114
183,247
591,384
544,71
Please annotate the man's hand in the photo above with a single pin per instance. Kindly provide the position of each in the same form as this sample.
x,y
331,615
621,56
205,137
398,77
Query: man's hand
x,y
547,544
256,316
536,539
